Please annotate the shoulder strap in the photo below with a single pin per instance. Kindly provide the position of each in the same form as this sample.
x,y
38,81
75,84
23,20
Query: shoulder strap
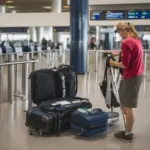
x,y
105,73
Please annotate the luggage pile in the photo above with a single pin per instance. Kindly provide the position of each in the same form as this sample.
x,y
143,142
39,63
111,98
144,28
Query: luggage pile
x,y
57,107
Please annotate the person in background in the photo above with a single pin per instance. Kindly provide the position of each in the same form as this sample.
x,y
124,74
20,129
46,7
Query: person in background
x,y
44,44
133,70
68,43
92,43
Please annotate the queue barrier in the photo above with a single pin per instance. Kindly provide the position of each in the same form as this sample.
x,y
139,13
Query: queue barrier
x,y
36,58
11,77
98,56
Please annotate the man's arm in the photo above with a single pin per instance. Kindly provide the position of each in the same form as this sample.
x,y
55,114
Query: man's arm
x,y
116,64
125,59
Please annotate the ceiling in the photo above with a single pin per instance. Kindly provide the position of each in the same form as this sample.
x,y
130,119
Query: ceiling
x,y
25,6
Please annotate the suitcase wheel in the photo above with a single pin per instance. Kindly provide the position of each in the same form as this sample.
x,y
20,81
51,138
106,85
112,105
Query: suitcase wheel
x,y
40,132
30,131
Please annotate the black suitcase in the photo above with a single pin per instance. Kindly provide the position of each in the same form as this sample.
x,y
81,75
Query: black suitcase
x,y
54,115
41,121
50,83
43,85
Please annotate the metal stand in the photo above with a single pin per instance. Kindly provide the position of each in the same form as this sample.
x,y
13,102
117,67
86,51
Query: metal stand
x,y
145,63
1,79
25,74
16,76
11,77
96,60
40,58
35,67
64,57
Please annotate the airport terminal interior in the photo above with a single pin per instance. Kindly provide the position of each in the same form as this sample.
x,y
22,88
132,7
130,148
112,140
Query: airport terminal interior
x,y
39,34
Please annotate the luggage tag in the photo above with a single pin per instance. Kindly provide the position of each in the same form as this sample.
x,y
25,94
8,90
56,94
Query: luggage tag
x,y
75,102
62,103
83,111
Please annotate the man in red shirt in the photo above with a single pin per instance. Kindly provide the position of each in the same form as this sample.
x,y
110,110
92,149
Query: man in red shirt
x,y
132,63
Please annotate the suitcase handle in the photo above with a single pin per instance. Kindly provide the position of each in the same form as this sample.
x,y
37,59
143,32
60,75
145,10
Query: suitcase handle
x,y
80,98
95,110
64,65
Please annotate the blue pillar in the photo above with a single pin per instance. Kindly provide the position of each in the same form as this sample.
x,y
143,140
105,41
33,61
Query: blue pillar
x,y
79,35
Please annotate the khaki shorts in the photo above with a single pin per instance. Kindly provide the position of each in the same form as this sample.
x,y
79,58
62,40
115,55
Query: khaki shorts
x,y
129,91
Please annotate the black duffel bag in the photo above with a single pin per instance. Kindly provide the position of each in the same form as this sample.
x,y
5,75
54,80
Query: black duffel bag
x,y
53,83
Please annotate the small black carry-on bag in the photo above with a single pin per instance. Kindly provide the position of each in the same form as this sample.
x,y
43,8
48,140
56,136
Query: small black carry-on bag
x,y
53,91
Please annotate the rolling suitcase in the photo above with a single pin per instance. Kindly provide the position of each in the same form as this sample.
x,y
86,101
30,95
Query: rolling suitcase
x,y
41,121
89,122
54,115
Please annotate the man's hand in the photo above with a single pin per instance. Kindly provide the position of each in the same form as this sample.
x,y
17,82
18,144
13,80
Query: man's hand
x,y
116,64
112,63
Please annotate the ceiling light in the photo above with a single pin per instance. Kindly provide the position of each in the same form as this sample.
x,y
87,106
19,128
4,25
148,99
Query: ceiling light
x,y
9,2
47,7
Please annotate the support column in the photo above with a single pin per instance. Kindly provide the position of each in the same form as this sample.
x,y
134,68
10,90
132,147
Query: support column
x,y
2,9
57,6
50,30
57,37
32,33
40,34
79,35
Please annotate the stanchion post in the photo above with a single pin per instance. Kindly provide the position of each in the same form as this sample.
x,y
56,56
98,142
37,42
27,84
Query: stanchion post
x,y
1,79
101,62
11,77
35,67
64,57
16,76
145,63
40,58
50,57
88,57
53,59
96,60
25,74
56,58
47,59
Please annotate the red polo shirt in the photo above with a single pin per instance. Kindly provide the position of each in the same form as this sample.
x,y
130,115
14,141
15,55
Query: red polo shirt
x,y
132,57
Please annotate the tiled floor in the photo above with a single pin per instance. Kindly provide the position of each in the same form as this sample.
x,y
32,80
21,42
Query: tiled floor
x,y
14,134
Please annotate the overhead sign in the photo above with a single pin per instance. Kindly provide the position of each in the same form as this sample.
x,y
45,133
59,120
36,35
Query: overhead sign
x,y
61,29
14,30
114,15
98,15
143,28
139,14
